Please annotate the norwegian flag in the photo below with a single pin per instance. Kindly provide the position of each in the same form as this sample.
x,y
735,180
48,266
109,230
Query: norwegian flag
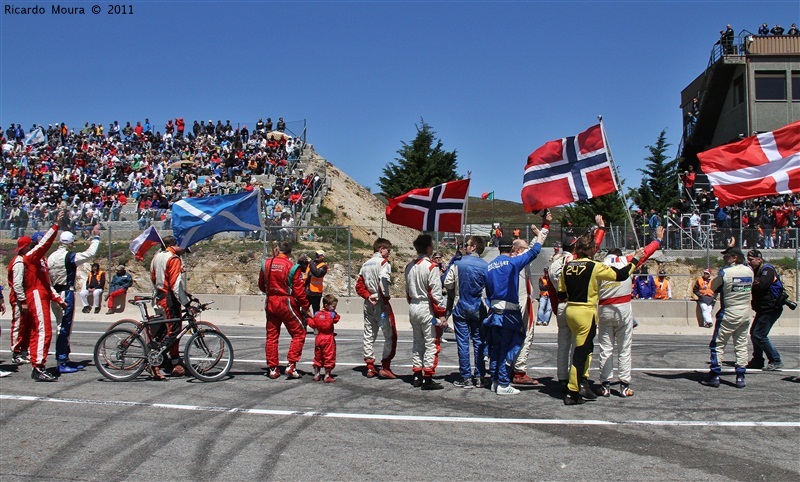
x,y
764,165
438,208
567,170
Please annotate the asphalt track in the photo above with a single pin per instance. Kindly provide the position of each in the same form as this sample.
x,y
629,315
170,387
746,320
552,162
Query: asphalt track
x,y
251,428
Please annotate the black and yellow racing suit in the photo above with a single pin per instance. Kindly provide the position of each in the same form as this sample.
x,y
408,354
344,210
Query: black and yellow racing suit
x,y
579,285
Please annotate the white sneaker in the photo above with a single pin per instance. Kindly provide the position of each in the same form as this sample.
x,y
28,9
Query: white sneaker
x,y
4,373
507,390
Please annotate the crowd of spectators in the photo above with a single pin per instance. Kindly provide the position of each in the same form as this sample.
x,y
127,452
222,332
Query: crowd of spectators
x,y
91,173
764,223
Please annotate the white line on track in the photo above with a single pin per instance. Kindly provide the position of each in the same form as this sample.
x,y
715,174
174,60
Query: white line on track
x,y
453,367
415,418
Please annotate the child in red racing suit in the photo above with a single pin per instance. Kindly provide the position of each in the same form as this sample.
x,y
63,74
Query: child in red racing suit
x,y
325,343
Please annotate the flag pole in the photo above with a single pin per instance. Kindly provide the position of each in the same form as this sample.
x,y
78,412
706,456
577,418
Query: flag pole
x,y
466,209
615,173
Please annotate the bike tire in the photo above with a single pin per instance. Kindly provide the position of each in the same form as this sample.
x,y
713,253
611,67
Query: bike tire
x,y
208,355
120,355
135,324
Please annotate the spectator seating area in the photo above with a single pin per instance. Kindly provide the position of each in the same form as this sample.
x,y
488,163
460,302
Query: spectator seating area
x,y
127,178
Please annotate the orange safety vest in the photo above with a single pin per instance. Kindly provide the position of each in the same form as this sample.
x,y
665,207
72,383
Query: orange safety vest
x,y
314,283
704,287
543,282
100,276
662,289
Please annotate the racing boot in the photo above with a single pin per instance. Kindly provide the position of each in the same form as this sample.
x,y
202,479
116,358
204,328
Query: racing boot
x,y
522,378
386,371
63,367
371,371
573,398
317,374
430,384
292,373
155,374
40,374
586,391
417,379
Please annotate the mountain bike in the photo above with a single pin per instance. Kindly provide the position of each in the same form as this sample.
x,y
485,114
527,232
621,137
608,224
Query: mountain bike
x,y
123,353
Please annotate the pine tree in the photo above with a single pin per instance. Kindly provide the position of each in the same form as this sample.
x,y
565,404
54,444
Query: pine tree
x,y
423,163
582,213
658,189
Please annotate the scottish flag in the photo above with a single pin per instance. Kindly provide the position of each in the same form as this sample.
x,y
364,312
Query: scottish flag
x,y
195,219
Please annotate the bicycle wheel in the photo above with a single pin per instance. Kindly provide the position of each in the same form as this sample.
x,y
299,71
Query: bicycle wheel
x,y
120,355
127,323
208,355
204,326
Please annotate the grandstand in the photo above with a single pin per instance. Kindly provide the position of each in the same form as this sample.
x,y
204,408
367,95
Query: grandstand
x,y
125,179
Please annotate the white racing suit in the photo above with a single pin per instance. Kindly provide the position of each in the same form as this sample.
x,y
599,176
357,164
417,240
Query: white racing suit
x,y
564,353
615,318
526,307
374,278
425,305
63,265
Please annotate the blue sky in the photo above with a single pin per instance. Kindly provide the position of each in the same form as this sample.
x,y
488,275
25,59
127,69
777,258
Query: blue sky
x,y
495,80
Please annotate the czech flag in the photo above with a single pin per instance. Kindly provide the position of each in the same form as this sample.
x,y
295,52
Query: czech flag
x,y
144,242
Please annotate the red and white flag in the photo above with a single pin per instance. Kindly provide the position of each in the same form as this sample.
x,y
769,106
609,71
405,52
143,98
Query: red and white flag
x,y
567,170
764,165
144,242
438,208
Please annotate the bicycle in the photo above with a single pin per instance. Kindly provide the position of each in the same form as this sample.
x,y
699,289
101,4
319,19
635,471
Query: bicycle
x,y
122,354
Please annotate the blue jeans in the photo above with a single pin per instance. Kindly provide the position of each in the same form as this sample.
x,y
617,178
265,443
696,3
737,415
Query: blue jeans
x,y
466,330
545,310
759,332
505,348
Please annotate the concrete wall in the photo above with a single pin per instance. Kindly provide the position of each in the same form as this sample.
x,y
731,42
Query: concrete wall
x,y
675,313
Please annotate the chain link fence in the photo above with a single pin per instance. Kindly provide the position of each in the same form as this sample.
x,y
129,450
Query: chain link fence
x,y
229,262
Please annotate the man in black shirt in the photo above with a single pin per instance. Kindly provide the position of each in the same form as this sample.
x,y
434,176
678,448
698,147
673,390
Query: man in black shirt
x,y
767,302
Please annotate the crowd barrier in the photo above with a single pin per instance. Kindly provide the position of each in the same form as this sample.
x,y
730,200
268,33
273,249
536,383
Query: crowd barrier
x,y
241,308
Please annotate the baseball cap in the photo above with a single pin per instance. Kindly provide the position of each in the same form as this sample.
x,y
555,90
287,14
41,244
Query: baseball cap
x,y
37,236
733,251
22,242
319,252
67,238
706,271
661,271
506,242
754,253
120,267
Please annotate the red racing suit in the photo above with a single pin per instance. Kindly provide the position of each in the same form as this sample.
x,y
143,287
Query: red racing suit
x,y
286,298
37,297
166,273
324,343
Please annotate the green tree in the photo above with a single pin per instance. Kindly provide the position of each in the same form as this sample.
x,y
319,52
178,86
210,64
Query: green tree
x,y
658,189
422,163
582,213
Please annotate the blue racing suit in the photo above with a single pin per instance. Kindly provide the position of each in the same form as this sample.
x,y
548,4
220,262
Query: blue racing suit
x,y
505,318
465,279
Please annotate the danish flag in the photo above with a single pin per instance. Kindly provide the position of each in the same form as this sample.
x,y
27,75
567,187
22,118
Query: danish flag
x,y
567,170
763,165
438,208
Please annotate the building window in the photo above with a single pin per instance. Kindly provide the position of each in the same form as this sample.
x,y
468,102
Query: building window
x,y
770,85
738,90
795,85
